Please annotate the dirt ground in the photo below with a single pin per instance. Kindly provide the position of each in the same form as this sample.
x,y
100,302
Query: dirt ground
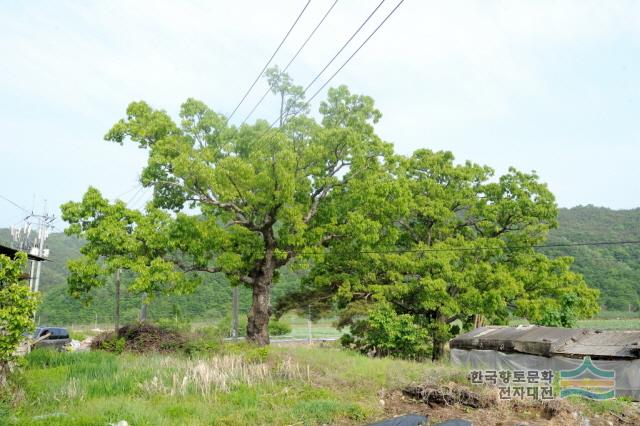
x,y
507,413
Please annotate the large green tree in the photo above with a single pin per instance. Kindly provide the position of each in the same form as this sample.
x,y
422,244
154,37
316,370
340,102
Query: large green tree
x,y
461,247
250,199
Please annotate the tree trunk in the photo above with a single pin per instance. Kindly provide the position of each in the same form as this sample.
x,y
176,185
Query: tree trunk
x,y
234,312
116,317
258,318
438,349
440,335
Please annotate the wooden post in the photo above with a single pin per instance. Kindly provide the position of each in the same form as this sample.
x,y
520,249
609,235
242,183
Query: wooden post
x,y
117,311
143,308
234,312
309,323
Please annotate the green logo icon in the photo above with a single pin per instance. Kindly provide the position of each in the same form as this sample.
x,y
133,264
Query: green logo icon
x,y
588,381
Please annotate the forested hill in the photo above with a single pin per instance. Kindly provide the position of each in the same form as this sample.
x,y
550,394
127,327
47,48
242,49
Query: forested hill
x,y
614,269
211,301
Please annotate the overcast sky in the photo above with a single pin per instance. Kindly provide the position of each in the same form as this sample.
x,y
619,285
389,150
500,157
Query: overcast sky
x,y
550,86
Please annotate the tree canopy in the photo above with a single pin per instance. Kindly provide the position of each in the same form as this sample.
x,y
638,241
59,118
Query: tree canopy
x,y
262,195
435,240
460,247
119,238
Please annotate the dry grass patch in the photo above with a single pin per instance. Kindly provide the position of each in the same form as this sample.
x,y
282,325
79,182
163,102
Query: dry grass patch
x,y
223,373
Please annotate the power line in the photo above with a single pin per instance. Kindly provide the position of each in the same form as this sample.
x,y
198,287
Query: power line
x,y
15,204
344,46
135,195
269,61
507,247
128,191
341,67
356,51
345,62
292,59
467,249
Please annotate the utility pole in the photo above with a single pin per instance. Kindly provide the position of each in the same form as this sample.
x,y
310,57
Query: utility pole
x,y
234,312
117,310
22,238
43,233
143,308
309,323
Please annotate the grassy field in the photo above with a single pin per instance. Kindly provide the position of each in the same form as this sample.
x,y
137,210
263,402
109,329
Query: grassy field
x,y
294,385
606,320
611,324
244,385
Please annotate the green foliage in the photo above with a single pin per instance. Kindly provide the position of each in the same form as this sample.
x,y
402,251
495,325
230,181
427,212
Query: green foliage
x,y
560,313
384,332
264,195
121,238
17,305
209,302
180,326
279,328
112,345
444,242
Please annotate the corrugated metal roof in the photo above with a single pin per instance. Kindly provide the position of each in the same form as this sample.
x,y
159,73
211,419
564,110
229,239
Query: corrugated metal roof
x,y
549,341
8,251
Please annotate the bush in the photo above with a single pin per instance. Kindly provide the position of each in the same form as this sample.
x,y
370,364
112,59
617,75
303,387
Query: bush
x,y
204,341
112,345
561,315
17,305
248,351
385,333
279,328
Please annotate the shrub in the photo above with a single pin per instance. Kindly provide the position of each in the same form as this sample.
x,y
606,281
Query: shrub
x,y
204,341
17,305
561,315
279,328
248,351
384,333
112,345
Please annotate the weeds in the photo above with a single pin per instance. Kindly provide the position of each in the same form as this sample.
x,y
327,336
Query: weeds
x,y
220,374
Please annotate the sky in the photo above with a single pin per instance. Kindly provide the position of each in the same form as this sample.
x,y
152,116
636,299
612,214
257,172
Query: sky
x,y
550,86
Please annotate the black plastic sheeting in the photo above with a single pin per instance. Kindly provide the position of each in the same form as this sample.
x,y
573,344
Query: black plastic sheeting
x,y
417,420
408,420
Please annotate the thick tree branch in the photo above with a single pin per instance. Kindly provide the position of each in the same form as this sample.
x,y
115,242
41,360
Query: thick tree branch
x,y
247,280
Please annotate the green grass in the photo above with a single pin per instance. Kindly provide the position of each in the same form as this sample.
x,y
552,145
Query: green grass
x,y
611,324
605,320
238,385
304,385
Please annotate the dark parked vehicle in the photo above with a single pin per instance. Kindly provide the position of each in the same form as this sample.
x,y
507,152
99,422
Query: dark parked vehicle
x,y
57,337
